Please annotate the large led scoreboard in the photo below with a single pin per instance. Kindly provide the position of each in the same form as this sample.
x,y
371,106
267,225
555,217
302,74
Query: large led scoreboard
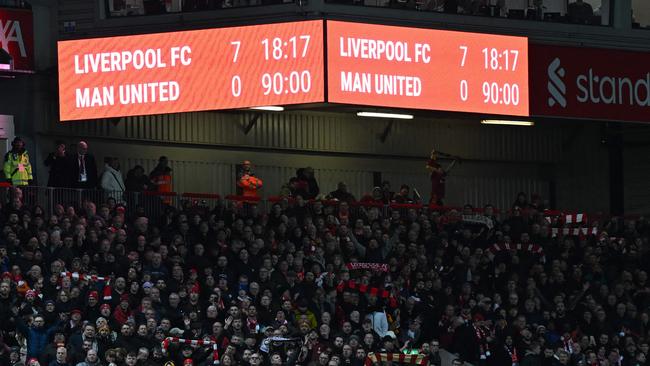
x,y
286,63
191,71
427,69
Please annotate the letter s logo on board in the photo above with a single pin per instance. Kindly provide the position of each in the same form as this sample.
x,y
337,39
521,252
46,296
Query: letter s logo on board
x,y
556,86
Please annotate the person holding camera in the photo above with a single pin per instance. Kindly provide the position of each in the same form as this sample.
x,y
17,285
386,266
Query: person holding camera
x,y
56,161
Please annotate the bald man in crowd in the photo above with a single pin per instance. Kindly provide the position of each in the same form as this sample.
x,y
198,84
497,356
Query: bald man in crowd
x,y
82,168
61,357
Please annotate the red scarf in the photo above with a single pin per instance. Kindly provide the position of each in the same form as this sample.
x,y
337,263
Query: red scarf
x,y
121,316
513,355
220,305
378,267
252,325
481,337
568,345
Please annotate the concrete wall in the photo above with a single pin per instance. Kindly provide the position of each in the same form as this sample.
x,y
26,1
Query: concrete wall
x,y
499,161
582,174
636,169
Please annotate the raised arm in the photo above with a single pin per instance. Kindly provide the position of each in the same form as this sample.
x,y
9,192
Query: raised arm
x,y
20,323
359,248
390,243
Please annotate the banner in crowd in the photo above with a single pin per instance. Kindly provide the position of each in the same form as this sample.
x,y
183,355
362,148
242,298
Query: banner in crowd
x,y
590,83
365,289
17,37
374,358
478,219
565,218
192,342
377,267
584,231
266,343
76,276
526,248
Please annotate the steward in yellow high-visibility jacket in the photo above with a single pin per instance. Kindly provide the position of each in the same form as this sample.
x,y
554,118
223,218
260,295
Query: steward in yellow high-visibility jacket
x,y
17,168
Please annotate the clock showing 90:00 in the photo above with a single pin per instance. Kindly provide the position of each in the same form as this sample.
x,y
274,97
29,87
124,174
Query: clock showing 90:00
x,y
431,69
284,63
224,68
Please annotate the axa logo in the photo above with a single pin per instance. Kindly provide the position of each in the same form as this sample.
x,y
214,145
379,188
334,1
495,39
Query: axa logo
x,y
556,86
10,32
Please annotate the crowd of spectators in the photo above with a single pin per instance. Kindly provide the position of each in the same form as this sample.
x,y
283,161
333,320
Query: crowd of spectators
x,y
310,283
319,279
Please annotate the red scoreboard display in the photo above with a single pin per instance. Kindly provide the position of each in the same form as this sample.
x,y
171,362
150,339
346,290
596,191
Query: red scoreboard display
x,y
284,63
427,69
191,71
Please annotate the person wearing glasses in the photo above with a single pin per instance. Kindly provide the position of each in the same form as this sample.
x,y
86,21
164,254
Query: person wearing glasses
x,y
37,334
255,359
82,168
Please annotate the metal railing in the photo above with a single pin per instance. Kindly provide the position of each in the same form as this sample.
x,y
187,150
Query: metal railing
x,y
154,204
51,199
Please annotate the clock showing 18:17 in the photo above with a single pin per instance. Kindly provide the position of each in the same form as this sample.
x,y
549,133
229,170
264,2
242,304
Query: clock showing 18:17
x,y
431,69
277,48
186,71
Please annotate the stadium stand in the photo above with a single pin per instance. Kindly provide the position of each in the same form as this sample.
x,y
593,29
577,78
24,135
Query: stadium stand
x,y
91,277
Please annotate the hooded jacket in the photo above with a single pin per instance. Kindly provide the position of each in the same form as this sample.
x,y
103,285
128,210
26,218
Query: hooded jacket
x,y
113,183
17,167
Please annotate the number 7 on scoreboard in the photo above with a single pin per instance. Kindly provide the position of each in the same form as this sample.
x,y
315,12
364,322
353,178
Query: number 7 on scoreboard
x,y
462,61
237,45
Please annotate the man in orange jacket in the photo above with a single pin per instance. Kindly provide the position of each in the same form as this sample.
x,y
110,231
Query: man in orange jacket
x,y
248,182
161,177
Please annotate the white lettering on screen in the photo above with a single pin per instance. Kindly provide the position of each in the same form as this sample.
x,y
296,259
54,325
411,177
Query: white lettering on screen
x,y
136,60
164,91
375,49
381,84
